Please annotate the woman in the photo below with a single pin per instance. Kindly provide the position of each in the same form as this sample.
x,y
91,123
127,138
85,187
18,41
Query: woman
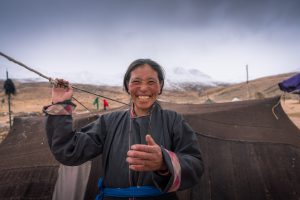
x,y
147,151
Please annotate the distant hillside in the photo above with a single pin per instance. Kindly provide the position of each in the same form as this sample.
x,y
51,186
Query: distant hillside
x,y
185,92
32,96
255,89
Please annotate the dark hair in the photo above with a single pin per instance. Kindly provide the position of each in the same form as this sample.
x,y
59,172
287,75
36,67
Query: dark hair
x,y
140,62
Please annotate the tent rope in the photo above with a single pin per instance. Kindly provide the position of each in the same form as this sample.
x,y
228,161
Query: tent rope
x,y
54,82
81,104
273,108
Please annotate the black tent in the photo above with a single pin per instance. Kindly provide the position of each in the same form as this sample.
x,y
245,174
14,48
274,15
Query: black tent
x,y
248,154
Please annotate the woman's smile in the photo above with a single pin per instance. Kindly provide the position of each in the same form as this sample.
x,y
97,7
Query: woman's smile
x,y
144,87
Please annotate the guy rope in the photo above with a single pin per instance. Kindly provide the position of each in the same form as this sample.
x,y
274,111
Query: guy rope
x,y
54,82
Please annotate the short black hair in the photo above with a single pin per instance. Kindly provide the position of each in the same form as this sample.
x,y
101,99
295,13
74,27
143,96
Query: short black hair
x,y
140,62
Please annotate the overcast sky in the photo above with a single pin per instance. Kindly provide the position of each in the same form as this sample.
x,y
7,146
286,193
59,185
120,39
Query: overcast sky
x,y
90,40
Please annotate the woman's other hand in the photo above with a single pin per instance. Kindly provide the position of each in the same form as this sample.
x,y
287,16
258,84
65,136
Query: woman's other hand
x,y
146,157
61,91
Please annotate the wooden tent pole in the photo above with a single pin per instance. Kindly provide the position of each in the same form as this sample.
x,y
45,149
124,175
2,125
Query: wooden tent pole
x,y
9,100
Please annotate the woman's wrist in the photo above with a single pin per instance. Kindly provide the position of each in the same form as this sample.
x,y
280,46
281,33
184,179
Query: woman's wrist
x,y
60,108
68,102
163,170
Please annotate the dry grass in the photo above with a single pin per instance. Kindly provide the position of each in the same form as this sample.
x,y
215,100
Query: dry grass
x,y
292,109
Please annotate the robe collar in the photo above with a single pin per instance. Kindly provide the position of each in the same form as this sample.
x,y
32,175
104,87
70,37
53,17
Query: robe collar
x,y
134,115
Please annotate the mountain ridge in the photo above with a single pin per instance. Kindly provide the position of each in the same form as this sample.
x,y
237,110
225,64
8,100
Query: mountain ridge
x,y
189,92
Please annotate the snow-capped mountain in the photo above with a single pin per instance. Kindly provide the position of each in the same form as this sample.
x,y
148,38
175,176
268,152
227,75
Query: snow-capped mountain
x,y
182,78
176,78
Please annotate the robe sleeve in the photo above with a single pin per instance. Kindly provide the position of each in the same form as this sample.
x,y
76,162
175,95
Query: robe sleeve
x,y
183,160
71,147
187,150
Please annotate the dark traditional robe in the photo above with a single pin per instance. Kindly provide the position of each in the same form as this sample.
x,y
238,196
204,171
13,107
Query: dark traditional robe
x,y
112,134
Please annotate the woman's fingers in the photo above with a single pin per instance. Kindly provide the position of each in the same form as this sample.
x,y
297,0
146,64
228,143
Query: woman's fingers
x,y
61,91
61,83
140,165
140,168
144,158
150,141
136,161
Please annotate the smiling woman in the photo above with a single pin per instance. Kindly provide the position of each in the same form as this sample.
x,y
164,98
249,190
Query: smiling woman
x,y
148,152
144,86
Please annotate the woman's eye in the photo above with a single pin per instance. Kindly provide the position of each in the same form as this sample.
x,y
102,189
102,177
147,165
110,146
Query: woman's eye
x,y
135,82
151,82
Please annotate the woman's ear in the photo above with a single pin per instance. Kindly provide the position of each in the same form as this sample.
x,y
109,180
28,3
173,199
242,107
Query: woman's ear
x,y
126,88
128,91
161,86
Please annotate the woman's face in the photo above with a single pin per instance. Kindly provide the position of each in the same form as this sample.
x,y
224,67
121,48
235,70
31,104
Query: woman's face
x,y
144,87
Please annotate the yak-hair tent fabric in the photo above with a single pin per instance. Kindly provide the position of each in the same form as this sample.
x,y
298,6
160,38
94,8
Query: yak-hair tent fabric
x,y
248,154
28,170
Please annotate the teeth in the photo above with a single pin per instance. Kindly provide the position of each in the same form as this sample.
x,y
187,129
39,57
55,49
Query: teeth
x,y
144,97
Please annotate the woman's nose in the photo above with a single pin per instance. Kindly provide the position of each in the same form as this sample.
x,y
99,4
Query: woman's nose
x,y
144,86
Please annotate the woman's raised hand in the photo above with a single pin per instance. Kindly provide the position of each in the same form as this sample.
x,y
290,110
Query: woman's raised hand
x,y
61,91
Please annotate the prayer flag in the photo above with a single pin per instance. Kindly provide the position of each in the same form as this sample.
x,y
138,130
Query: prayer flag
x,y
96,102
